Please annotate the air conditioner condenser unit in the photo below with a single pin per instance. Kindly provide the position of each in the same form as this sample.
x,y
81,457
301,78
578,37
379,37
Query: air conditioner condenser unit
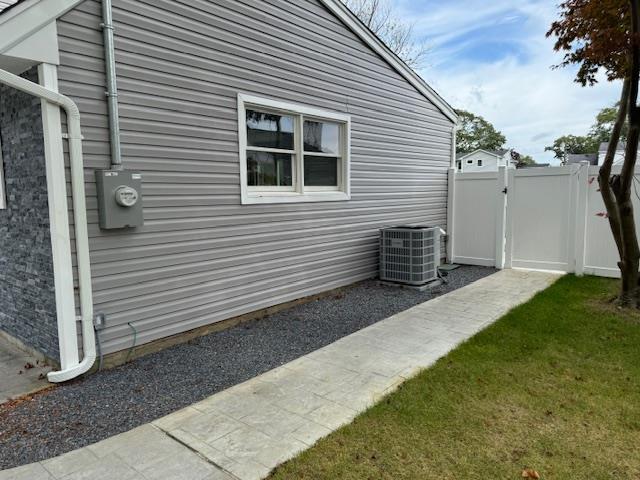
x,y
410,255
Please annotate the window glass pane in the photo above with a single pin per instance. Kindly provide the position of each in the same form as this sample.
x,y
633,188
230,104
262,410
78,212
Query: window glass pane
x,y
320,171
321,137
269,169
270,130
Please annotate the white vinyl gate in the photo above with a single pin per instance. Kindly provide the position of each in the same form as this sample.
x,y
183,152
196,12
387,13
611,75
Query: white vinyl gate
x,y
536,218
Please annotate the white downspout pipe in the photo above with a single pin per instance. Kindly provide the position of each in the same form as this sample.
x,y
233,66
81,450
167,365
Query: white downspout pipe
x,y
80,217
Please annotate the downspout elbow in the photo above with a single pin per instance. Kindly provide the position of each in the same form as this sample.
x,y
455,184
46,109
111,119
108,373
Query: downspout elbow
x,y
70,373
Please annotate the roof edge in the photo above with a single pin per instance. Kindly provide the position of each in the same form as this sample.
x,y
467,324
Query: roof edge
x,y
53,9
481,150
10,5
28,17
360,29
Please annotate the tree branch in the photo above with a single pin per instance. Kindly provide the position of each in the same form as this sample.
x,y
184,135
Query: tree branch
x,y
604,176
630,260
631,153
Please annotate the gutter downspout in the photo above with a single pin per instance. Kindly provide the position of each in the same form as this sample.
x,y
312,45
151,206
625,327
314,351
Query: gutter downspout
x,y
80,217
112,89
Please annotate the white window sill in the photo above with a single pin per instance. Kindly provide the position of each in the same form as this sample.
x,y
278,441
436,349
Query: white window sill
x,y
258,198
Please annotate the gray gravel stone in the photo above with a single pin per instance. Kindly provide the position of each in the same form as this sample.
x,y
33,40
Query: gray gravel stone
x,y
91,409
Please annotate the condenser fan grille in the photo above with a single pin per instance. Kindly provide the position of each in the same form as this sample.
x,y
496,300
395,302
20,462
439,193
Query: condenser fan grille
x,y
409,255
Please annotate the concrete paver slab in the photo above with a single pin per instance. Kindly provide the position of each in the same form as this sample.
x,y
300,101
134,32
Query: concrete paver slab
x,y
20,372
245,431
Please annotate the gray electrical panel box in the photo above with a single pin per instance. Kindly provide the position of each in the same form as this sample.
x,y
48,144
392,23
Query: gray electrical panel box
x,y
119,198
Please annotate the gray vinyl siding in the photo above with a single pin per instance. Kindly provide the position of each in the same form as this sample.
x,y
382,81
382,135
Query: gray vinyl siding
x,y
203,257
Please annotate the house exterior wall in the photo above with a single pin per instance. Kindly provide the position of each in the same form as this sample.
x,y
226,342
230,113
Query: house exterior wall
x,y
618,159
489,162
201,256
506,161
27,294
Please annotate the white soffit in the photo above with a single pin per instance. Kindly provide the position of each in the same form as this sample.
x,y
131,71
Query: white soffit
x,y
39,47
29,17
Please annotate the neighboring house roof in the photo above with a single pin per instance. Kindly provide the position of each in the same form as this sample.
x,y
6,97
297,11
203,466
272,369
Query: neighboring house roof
x,y
592,158
499,153
604,146
53,9
496,153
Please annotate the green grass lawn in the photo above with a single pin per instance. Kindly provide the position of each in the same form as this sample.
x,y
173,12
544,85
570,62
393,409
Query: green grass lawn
x,y
553,386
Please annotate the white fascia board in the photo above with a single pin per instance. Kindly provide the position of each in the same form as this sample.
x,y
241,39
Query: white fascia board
x,y
355,25
467,154
480,150
29,17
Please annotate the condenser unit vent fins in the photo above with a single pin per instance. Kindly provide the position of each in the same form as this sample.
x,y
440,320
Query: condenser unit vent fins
x,y
409,255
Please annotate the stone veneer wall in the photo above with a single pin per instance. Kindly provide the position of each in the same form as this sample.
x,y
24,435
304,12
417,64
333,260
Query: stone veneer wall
x,y
27,295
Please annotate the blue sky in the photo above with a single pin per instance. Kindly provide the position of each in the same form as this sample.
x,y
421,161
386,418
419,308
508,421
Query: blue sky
x,y
492,58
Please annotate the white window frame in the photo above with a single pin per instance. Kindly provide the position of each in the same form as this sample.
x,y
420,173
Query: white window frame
x,y
299,192
480,162
3,187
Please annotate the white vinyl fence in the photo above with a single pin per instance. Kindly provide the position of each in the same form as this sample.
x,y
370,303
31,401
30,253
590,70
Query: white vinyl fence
x,y
538,218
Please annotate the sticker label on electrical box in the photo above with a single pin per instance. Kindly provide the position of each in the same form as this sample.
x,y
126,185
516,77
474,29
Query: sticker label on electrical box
x,y
136,176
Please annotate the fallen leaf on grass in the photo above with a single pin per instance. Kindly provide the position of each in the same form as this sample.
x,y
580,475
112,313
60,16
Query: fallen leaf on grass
x,y
530,473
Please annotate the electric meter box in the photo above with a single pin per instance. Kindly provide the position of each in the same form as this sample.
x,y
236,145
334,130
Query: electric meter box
x,y
119,199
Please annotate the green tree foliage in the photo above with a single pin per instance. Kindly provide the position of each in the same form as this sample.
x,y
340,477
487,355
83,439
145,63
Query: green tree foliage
x,y
573,144
523,160
605,121
475,132
600,132
595,35
603,36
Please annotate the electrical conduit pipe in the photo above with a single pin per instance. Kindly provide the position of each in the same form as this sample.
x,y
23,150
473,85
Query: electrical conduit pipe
x,y
80,217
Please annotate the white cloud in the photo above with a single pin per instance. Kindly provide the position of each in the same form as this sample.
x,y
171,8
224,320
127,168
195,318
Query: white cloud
x,y
531,103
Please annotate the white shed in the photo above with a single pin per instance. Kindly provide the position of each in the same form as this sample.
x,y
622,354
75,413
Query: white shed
x,y
484,160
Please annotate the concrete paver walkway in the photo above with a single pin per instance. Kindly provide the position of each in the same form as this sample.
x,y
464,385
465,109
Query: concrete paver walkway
x,y
20,372
245,431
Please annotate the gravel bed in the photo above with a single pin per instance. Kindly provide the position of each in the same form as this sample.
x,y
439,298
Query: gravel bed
x,y
86,411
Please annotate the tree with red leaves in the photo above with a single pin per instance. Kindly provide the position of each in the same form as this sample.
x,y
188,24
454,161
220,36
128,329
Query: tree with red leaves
x,y
603,36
